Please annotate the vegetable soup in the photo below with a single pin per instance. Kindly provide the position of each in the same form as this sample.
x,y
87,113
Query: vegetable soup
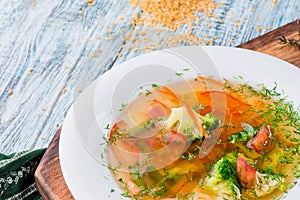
x,y
205,139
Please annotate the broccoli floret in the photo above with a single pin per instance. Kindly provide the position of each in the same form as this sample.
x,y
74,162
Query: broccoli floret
x,y
224,168
243,136
223,179
209,122
232,157
227,170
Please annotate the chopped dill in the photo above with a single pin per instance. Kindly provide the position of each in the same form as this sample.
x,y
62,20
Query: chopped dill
x,y
179,74
123,106
107,127
148,92
154,85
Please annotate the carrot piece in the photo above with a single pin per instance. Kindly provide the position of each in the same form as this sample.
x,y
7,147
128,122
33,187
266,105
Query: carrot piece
x,y
157,109
169,98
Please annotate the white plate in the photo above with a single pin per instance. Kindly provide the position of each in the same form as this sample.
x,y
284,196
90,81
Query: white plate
x,y
83,170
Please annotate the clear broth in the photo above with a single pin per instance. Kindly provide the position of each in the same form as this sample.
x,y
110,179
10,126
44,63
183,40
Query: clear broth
x,y
233,107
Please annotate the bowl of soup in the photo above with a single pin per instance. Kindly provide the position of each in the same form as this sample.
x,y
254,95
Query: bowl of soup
x,y
177,124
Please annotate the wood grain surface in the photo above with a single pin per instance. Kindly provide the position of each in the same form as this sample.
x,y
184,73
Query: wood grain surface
x,y
270,44
49,177
49,50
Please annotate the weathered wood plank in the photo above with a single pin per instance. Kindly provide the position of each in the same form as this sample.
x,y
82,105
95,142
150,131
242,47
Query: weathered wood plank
x,y
62,38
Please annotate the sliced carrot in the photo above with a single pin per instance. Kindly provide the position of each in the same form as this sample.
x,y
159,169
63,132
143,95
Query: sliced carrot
x,y
122,152
169,98
157,109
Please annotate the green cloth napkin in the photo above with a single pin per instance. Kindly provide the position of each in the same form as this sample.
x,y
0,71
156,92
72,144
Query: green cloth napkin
x,y
17,175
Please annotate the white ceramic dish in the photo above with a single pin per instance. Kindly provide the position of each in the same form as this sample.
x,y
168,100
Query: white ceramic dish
x,y
81,163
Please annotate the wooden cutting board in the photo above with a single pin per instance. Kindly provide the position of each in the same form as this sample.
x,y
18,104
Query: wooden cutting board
x,y
48,176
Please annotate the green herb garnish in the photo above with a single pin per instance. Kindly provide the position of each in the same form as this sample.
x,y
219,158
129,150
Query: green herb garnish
x,y
123,106
179,74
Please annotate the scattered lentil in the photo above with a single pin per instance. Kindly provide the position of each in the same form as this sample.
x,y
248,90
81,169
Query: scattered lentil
x,y
10,92
274,3
64,90
111,36
172,13
259,29
209,42
92,3
94,55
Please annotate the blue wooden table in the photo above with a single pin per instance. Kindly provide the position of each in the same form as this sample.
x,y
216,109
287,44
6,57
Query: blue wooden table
x,y
51,50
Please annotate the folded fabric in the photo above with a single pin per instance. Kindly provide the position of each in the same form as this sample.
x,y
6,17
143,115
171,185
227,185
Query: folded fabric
x,y
17,175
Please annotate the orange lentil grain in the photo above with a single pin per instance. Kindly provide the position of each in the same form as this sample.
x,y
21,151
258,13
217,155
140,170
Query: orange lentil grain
x,y
172,13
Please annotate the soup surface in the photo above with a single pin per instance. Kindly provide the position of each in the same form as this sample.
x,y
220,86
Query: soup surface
x,y
203,139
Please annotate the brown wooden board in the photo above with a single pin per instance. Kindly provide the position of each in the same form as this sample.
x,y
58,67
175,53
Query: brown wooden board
x,y
270,43
48,176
